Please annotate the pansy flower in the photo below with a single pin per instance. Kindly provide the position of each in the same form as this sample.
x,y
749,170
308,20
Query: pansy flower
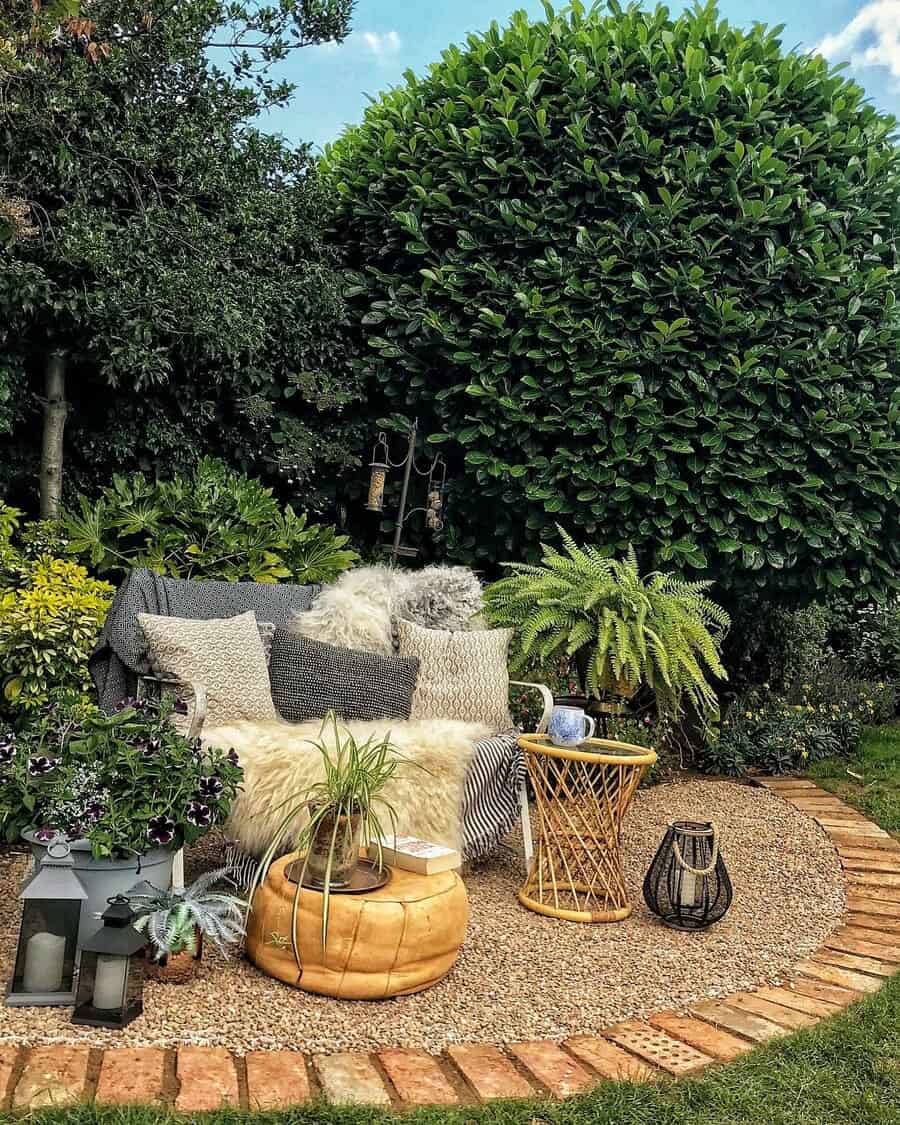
x,y
7,749
199,814
210,787
94,809
41,764
45,835
232,758
160,830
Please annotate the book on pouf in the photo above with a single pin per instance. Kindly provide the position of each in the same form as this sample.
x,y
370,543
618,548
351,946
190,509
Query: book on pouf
x,y
409,853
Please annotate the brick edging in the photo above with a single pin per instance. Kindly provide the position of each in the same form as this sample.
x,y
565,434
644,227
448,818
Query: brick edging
x,y
853,961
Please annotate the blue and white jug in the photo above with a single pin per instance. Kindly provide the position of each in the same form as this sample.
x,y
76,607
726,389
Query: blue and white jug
x,y
569,726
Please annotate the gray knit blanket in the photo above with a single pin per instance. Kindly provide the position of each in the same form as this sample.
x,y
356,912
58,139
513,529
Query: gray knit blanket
x,y
121,655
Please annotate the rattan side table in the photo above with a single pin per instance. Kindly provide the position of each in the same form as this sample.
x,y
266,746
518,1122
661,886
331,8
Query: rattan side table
x,y
581,796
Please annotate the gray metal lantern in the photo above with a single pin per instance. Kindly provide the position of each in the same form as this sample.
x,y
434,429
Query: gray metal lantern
x,y
111,976
44,972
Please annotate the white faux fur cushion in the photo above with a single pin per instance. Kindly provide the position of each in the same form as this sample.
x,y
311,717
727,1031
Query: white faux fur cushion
x,y
280,762
356,610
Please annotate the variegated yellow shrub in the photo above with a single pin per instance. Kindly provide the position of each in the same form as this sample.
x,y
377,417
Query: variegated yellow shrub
x,y
49,623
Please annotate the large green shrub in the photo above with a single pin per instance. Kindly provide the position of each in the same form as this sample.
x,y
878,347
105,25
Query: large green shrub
x,y
215,523
638,273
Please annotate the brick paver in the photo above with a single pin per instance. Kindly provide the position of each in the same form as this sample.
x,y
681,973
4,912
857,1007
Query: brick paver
x,y
833,993
658,1047
9,1060
818,970
207,1079
784,1017
789,998
741,1022
417,1077
351,1079
489,1072
53,1076
276,1079
710,1040
609,1060
132,1075
552,1067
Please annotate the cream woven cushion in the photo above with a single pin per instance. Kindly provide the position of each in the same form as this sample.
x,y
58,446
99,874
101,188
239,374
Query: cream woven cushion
x,y
225,655
462,675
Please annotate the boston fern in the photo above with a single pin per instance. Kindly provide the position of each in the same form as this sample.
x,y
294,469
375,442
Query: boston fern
x,y
657,630
171,919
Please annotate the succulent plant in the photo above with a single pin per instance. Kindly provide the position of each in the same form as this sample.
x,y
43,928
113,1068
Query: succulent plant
x,y
171,919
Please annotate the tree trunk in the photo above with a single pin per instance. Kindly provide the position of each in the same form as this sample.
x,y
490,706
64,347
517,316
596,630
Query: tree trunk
x,y
55,410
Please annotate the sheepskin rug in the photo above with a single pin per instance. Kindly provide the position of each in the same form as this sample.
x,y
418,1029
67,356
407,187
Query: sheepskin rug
x,y
356,610
281,761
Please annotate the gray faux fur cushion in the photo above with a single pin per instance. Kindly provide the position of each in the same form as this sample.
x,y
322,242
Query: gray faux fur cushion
x,y
356,611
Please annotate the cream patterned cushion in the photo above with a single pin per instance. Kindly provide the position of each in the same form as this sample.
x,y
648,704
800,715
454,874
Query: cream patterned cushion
x,y
462,675
224,654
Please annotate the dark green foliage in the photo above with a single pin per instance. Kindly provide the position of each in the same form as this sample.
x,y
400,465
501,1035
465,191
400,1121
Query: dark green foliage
x,y
178,259
214,523
637,272
778,733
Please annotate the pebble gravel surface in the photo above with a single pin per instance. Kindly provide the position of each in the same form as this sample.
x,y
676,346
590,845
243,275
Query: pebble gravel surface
x,y
520,976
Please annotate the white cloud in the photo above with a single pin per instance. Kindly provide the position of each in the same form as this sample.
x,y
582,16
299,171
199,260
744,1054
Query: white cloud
x,y
871,38
381,45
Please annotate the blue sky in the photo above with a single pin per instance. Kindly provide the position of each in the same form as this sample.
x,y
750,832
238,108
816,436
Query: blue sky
x,y
391,36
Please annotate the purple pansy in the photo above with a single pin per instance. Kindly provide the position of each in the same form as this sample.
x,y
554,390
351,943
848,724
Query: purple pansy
x,y
232,757
41,764
199,814
7,749
160,830
180,707
210,788
94,809
45,835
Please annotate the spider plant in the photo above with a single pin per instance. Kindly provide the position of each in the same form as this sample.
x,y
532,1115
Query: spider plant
x,y
349,798
171,919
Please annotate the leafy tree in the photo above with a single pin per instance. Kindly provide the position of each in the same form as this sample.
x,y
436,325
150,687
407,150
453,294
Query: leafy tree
x,y
638,272
177,298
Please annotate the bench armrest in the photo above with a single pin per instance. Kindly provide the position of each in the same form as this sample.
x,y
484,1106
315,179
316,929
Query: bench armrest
x,y
546,697
179,688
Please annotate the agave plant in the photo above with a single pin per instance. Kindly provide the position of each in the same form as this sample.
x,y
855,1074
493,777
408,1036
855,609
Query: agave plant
x,y
349,800
581,602
171,919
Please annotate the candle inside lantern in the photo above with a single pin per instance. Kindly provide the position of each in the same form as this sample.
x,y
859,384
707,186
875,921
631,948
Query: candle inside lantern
x,y
687,892
109,981
45,956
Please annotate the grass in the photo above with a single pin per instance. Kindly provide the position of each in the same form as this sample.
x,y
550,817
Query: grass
x,y
871,779
844,1071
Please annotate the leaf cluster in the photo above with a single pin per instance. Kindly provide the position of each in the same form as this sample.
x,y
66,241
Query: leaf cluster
x,y
215,523
637,271
171,919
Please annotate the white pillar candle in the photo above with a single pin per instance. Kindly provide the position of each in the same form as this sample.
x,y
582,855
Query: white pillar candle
x,y
687,892
109,980
45,955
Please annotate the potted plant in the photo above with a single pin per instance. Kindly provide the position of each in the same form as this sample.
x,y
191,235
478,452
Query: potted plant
x,y
125,790
338,814
176,922
621,630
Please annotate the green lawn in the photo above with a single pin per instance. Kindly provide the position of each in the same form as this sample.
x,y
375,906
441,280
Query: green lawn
x,y
845,1071
875,788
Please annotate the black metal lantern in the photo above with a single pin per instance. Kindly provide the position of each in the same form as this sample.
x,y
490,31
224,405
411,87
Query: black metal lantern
x,y
378,471
111,977
687,884
44,972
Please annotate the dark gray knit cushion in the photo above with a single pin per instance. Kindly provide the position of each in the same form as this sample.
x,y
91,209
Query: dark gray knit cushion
x,y
310,678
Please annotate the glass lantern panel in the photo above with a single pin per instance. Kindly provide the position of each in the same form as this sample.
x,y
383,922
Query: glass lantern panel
x,y
45,958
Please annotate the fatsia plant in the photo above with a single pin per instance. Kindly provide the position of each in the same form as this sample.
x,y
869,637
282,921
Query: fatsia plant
x,y
171,919
657,630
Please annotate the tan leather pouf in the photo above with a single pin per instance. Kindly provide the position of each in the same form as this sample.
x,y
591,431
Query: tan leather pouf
x,y
401,938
